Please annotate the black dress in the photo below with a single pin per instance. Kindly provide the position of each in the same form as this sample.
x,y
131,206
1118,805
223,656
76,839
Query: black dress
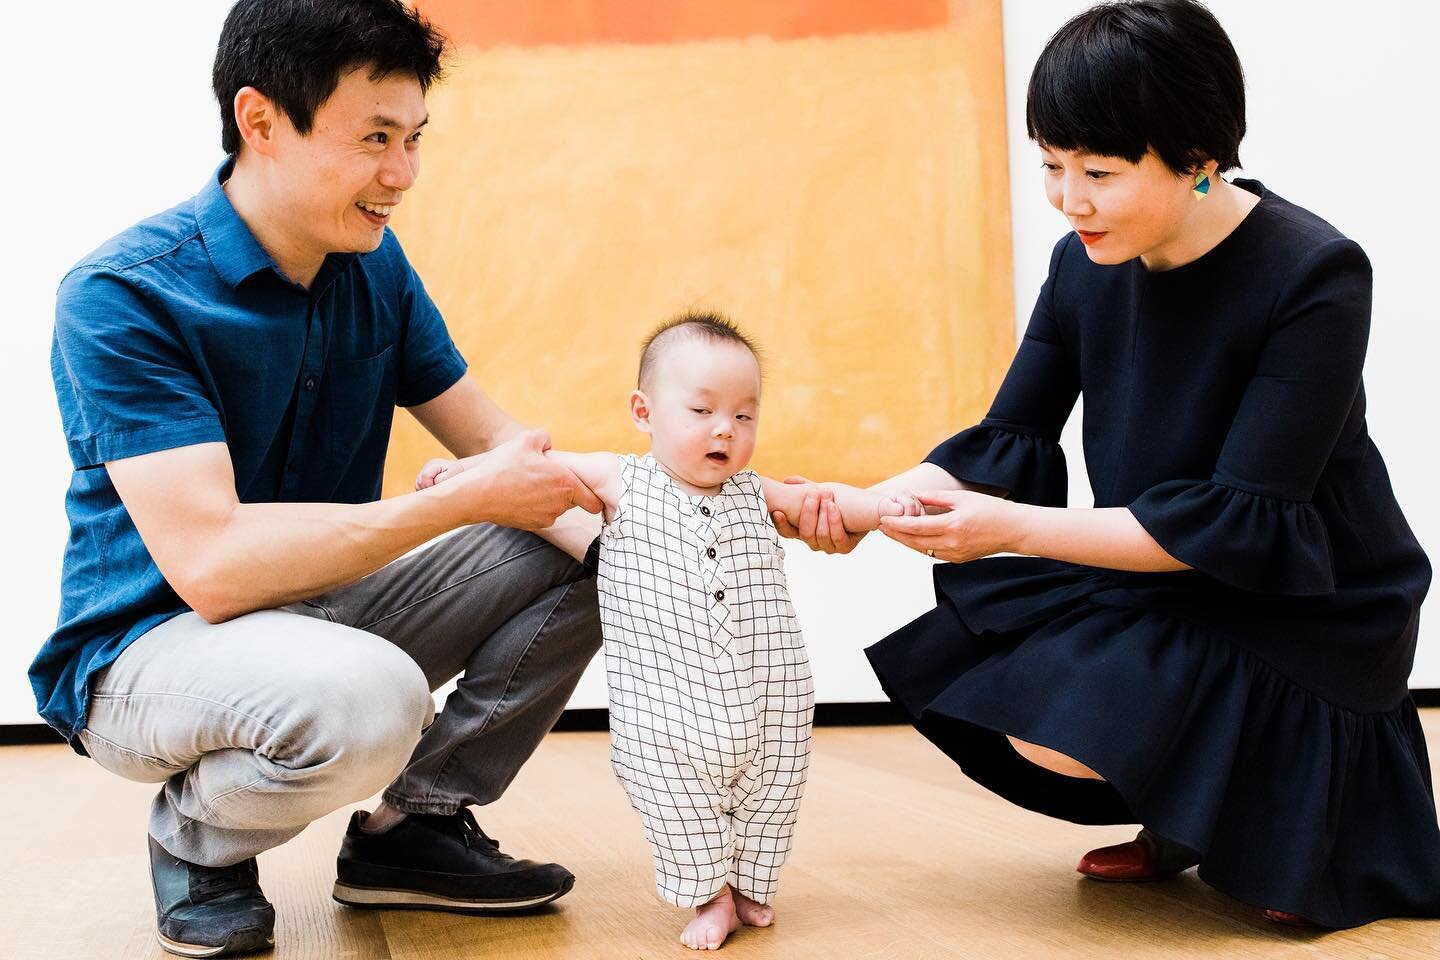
x,y
1254,708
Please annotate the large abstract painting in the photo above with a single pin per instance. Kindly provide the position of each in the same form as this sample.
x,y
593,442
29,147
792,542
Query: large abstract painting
x,y
829,173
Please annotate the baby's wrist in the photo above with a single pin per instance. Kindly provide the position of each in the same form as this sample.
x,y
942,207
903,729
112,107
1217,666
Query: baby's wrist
x,y
882,501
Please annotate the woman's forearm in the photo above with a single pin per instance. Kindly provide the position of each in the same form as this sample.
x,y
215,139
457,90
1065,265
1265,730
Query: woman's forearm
x,y
1108,537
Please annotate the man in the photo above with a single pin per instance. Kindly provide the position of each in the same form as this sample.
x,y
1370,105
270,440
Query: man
x,y
236,618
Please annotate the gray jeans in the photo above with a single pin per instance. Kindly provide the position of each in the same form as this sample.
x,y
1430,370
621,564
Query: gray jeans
x,y
266,722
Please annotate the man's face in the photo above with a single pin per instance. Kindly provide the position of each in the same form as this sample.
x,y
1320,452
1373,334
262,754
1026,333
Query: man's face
x,y
342,180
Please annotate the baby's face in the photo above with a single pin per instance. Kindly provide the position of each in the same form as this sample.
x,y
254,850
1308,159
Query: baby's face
x,y
703,411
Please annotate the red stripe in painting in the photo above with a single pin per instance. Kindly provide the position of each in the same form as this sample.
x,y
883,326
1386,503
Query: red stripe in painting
x,y
531,23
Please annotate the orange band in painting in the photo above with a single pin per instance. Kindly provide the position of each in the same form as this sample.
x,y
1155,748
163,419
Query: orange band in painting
x,y
525,23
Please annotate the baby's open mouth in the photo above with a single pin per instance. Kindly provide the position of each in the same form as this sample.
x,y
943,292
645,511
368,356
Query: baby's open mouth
x,y
718,457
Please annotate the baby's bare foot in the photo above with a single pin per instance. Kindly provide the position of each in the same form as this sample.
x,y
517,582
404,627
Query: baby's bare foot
x,y
752,912
712,924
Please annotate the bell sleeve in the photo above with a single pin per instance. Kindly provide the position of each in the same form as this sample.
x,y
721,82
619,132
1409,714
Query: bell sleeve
x,y
1016,448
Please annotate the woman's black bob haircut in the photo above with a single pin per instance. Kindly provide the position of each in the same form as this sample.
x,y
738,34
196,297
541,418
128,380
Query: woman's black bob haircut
x,y
1132,75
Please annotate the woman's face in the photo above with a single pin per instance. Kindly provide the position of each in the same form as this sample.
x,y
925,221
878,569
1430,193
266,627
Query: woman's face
x,y
1120,210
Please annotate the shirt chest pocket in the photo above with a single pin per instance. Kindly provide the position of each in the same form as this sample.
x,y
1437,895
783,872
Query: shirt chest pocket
x,y
355,411
756,567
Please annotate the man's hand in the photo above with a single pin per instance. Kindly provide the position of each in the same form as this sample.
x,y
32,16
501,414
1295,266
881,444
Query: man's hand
x,y
820,525
516,485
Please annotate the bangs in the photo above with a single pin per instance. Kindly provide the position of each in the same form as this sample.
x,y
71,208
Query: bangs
x,y
1086,94
1124,78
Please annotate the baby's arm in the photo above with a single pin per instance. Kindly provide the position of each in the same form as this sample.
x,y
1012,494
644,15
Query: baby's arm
x,y
860,510
576,529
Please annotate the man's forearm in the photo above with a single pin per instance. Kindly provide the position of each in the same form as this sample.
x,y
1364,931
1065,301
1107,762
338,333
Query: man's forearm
x,y
270,554
465,420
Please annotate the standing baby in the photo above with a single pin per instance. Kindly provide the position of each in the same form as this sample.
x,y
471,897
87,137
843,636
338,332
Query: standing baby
x,y
710,689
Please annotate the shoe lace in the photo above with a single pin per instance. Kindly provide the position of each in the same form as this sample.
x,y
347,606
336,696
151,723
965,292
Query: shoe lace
x,y
212,882
471,833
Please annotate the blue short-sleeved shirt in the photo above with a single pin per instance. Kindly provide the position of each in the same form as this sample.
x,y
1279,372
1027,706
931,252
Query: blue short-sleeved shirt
x,y
181,331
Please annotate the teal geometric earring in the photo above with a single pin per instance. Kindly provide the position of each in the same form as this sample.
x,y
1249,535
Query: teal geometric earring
x,y
1202,185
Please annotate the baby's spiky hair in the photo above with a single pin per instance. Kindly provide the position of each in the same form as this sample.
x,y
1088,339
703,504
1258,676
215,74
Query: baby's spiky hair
x,y
692,325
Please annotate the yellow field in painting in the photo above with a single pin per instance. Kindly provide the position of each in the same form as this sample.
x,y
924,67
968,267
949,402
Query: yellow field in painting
x,y
843,199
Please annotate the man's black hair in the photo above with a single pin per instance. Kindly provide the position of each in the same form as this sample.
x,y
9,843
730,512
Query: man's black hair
x,y
295,51
1128,76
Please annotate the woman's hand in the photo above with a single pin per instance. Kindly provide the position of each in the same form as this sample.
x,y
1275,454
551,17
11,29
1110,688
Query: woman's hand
x,y
974,525
819,526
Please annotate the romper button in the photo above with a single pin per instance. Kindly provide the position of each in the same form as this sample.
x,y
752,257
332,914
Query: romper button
x,y
705,511
309,383
710,553
719,594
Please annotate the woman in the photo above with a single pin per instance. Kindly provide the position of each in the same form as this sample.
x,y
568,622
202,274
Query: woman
x,y
1220,649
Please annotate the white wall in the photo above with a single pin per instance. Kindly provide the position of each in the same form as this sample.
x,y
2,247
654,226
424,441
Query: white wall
x,y
122,125
111,121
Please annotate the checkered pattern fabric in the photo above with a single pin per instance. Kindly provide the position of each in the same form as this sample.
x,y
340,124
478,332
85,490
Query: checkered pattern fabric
x,y
711,695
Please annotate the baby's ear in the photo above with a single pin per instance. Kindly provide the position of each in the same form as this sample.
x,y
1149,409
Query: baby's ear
x,y
640,410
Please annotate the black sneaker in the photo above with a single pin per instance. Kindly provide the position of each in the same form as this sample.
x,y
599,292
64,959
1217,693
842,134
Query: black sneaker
x,y
440,862
209,911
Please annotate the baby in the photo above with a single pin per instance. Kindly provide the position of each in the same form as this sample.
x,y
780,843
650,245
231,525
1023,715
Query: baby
x,y
710,688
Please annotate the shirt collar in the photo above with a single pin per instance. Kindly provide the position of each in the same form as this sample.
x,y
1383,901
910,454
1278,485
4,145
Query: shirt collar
x,y
330,271
233,249
235,253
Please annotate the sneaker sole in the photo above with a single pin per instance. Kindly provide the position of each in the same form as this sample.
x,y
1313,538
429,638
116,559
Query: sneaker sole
x,y
243,943
395,898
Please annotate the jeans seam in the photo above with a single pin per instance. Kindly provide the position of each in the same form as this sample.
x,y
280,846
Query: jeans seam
x,y
206,810
209,807
329,615
509,685
188,696
450,586
126,750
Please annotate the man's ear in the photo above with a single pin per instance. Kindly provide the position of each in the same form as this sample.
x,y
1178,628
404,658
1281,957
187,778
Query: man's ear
x,y
640,410
258,120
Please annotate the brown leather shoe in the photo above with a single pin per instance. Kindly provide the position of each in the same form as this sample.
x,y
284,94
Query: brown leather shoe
x,y
1147,857
1288,919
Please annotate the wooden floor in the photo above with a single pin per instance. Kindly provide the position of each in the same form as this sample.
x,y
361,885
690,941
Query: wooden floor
x,y
898,856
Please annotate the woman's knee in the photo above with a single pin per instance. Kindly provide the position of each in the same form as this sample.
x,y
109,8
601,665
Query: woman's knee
x,y
1052,760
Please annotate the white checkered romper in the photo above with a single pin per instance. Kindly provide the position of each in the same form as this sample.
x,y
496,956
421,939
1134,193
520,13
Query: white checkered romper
x,y
710,690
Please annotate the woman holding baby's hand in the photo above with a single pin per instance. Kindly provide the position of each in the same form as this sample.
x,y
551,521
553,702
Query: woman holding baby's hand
x,y
1219,649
